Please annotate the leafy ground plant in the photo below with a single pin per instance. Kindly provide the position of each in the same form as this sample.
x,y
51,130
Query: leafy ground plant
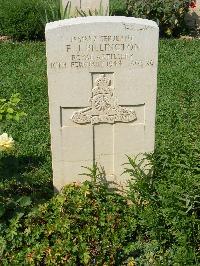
x,y
167,200
84,225
167,210
10,110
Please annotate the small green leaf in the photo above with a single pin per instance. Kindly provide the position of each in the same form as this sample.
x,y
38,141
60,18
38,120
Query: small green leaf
x,y
24,201
9,117
17,117
86,257
22,114
10,111
2,100
2,210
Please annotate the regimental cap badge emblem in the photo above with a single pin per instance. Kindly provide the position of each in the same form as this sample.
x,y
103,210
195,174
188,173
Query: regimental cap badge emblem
x,y
104,107
102,86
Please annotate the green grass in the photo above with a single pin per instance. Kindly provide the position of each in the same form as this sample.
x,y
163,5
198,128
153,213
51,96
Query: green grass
x,y
178,105
23,69
28,172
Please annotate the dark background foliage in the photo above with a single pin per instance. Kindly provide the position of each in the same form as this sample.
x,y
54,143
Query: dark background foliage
x,y
25,19
21,20
169,14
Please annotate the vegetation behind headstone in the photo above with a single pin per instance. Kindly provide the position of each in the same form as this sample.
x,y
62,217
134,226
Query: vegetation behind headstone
x,y
20,19
169,14
24,19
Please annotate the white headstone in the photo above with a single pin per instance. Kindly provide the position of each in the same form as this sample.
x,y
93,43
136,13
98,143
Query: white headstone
x,y
102,81
87,5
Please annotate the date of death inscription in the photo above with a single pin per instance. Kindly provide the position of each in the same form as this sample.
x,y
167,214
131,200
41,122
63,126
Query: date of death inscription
x,y
101,52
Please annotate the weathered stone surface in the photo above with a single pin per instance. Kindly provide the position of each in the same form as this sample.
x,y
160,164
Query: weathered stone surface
x,y
86,5
102,80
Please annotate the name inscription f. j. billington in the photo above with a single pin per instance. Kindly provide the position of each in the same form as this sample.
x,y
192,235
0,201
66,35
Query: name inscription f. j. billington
x,y
104,107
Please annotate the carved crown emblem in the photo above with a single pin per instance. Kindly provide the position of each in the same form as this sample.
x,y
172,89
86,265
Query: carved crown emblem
x,y
102,86
104,107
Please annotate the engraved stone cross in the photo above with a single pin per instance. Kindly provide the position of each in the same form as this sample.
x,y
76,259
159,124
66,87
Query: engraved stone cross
x,y
103,114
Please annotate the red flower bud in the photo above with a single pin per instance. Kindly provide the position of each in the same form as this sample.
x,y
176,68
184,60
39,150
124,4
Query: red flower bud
x,y
193,4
